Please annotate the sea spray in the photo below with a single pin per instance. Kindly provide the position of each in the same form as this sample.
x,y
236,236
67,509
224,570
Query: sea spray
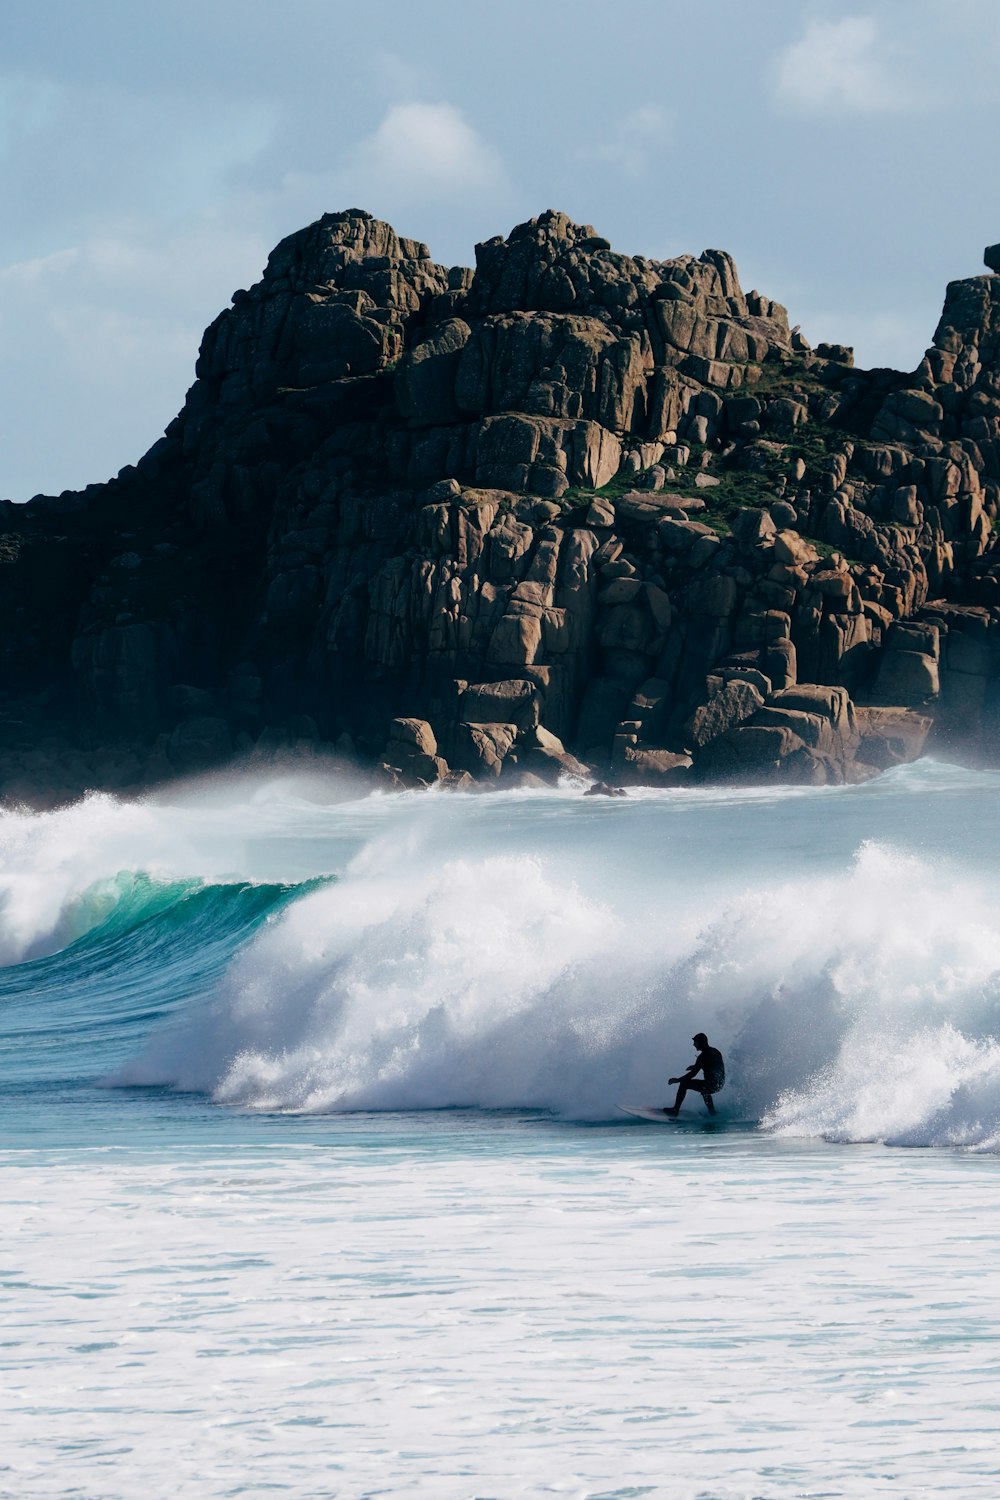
x,y
933,1086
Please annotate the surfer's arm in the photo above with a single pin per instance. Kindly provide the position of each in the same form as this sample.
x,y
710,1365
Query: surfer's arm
x,y
686,1077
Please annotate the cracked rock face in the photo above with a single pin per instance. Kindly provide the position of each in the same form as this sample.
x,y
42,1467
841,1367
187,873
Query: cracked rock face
x,y
573,508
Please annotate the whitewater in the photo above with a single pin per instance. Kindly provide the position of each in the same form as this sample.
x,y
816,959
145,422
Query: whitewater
x,y
314,1182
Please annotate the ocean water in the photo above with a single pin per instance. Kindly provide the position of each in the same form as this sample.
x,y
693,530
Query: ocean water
x,y
313,1181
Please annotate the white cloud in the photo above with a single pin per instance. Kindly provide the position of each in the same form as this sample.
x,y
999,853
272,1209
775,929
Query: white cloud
x,y
423,166
26,273
637,138
840,65
423,149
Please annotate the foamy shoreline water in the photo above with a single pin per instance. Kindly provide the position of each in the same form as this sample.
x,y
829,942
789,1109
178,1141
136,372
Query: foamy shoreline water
x,y
499,1307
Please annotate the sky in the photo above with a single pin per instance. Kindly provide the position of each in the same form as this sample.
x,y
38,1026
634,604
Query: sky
x,y
151,154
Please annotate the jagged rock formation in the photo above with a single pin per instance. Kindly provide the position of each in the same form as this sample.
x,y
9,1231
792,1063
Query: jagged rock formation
x,y
454,522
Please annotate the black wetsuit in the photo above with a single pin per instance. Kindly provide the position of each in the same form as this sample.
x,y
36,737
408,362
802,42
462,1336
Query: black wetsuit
x,y
713,1070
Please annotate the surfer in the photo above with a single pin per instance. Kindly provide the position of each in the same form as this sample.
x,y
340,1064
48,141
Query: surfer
x,y
713,1075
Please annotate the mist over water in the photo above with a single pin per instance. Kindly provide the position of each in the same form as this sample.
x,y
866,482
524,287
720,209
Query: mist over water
x,y
277,949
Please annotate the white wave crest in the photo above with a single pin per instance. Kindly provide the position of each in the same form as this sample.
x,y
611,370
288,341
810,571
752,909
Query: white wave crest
x,y
221,830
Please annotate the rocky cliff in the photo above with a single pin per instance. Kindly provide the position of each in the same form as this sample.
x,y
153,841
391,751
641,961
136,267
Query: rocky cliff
x,y
572,508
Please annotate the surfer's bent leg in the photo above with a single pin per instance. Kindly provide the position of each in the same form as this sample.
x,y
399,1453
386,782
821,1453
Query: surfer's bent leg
x,y
701,1088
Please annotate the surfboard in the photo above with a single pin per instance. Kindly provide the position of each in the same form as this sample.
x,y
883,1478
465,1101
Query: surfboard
x,y
649,1112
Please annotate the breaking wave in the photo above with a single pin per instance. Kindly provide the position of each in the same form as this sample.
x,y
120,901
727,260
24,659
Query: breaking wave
x,y
525,951
860,1006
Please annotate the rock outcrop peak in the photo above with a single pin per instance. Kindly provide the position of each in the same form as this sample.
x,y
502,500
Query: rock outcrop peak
x,y
568,511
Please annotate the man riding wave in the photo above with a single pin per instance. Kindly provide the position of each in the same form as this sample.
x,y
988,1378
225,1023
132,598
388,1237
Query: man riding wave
x,y
713,1075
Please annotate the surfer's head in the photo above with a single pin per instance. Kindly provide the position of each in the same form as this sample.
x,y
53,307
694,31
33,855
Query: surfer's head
x,y
700,1039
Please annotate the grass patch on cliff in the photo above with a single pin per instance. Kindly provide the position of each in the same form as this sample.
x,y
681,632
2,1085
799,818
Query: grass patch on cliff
x,y
736,490
814,443
735,493
579,494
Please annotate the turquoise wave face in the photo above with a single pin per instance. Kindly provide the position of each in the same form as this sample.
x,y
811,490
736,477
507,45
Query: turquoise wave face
x,y
132,951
